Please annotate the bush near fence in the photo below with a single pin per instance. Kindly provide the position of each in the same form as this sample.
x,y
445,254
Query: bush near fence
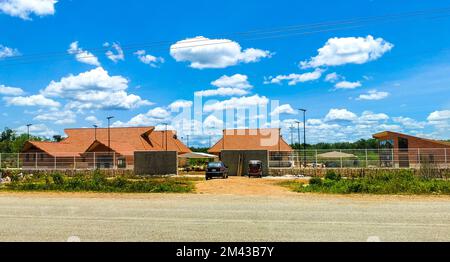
x,y
95,181
361,172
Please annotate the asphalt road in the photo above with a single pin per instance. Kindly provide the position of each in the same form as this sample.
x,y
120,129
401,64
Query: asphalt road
x,y
200,217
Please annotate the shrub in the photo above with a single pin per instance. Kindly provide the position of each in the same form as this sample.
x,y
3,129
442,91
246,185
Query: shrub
x,y
315,181
332,175
98,180
58,179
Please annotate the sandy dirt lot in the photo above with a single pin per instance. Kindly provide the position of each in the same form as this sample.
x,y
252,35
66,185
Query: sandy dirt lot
x,y
242,186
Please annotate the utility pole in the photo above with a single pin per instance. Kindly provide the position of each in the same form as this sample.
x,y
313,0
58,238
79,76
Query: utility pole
x,y
165,133
28,131
109,132
291,129
95,132
304,135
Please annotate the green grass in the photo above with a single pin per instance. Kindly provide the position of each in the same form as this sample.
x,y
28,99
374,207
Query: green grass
x,y
400,182
98,182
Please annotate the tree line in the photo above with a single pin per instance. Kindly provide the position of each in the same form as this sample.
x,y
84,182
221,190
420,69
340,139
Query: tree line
x,y
12,142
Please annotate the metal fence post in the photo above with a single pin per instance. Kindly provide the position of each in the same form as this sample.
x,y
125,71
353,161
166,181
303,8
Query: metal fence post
x,y
367,159
36,161
342,164
114,160
393,160
18,161
95,164
74,163
316,158
418,157
445,153
54,162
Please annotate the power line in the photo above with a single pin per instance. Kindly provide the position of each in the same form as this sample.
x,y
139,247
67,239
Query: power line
x,y
260,34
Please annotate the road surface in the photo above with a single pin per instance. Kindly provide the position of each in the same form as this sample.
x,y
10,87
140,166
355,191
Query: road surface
x,y
222,217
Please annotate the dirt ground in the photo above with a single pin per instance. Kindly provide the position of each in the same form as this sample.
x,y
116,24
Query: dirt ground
x,y
243,186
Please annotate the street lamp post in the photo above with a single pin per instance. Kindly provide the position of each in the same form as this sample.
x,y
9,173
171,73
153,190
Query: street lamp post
x,y
28,131
95,132
304,135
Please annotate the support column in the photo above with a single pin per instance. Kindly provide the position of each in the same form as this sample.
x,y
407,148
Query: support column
x,y
36,161
95,164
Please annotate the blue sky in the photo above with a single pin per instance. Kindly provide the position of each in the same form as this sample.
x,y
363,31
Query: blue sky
x,y
388,74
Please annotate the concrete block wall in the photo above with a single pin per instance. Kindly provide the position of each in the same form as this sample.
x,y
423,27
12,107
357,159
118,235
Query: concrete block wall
x,y
156,163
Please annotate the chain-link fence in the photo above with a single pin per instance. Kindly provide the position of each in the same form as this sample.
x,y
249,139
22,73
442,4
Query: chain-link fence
x,y
42,161
361,158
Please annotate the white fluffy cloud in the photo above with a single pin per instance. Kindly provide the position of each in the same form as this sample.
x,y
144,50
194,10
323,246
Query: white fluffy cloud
x,y
340,115
294,79
349,50
202,52
34,100
83,56
94,120
116,55
235,85
368,117
283,109
373,95
234,81
147,59
409,123
10,91
6,52
237,103
333,77
440,119
348,85
58,117
37,130
95,89
153,117
175,106
24,8
222,92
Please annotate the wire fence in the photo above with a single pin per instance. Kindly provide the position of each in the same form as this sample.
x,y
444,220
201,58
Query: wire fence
x,y
361,158
86,161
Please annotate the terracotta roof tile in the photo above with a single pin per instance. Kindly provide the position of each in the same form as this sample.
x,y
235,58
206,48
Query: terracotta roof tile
x,y
251,139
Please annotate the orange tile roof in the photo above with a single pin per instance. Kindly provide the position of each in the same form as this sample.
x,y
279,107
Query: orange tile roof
x,y
387,134
123,140
173,144
251,139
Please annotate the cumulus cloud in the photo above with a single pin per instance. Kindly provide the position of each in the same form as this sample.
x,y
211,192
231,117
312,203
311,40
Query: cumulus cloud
x,y
373,95
440,119
148,59
37,130
95,89
283,109
94,120
333,77
153,117
235,85
10,91
237,103
348,85
83,56
368,117
34,100
294,79
24,8
202,53
340,115
409,123
175,106
349,50
58,117
116,55
6,52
